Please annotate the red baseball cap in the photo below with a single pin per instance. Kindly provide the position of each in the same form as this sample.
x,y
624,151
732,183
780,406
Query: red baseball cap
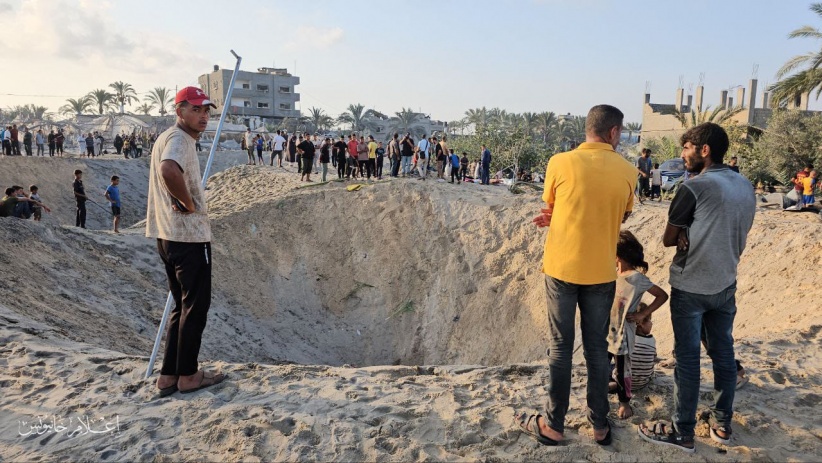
x,y
195,96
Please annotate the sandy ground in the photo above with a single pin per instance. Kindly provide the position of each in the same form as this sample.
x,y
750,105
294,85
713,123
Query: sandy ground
x,y
331,312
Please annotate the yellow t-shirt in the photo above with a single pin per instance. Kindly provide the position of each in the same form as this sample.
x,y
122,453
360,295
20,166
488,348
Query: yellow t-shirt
x,y
591,189
372,150
807,184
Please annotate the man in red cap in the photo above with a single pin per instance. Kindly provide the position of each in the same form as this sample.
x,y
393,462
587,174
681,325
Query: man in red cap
x,y
177,217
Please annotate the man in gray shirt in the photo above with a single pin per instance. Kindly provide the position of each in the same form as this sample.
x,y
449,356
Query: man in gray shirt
x,y
708,222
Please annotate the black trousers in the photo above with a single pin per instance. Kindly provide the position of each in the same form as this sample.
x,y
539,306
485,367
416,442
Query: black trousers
x,y
188,266
51,149
81,215
395,168
455,174
380,161
15,147
370,168
7,147
27,147
341,168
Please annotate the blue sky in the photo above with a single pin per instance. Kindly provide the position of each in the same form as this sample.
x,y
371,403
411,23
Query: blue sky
x,y
441,57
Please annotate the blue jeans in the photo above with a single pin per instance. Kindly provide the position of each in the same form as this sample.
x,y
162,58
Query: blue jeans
x,y
595,316
406,165
693,315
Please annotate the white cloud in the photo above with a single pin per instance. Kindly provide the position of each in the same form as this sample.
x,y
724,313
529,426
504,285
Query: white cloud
x,y
309,37
91,47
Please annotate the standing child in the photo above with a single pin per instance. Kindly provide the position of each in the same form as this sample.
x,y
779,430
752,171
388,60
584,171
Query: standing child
x,y
808,185
455,166
260,149
631,284
656,182
113,196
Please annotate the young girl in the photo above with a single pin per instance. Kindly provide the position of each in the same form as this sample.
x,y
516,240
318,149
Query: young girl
x,y
631,284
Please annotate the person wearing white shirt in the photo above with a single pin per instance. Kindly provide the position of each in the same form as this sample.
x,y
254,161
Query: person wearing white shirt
x,y
422,156
249,146
279,144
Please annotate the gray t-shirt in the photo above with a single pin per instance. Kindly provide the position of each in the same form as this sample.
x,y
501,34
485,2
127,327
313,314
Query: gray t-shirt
x,y
161,220
717,209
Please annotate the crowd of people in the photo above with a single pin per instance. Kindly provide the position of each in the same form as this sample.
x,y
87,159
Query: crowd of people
x,y
357,157
89,145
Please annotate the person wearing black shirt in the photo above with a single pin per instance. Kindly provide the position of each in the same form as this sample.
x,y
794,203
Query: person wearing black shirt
x,y
58,142
51,143
325,156
464,166
80,196
380,160
339,154
407,151
306,150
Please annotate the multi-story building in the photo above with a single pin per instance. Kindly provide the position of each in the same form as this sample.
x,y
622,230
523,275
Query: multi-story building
x,y
264,97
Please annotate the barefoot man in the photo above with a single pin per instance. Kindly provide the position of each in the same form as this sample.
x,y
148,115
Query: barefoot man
x,y
580,251
178,218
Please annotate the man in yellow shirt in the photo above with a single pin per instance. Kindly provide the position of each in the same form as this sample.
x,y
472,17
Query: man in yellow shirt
x,y
371,164
589,192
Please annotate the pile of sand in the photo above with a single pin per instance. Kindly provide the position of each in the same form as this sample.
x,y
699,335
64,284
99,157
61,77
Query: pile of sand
x,y
400,273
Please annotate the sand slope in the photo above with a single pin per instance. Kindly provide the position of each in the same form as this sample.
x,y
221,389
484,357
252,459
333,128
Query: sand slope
x,y
320,275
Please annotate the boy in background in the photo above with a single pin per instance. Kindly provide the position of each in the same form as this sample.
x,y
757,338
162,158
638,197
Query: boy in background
x,y
113,196
808,185
37,208
656,182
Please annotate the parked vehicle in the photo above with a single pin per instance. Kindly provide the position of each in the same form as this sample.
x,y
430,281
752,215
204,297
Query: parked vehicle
x,y
673,172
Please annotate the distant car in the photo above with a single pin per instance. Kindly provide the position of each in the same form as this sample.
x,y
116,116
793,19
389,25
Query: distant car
x,y
672,171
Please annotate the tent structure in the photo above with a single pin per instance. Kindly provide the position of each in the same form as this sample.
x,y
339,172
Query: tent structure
x,y
111,125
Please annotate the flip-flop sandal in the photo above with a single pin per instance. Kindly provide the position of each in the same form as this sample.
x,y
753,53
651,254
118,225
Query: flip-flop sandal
x,y
167,391
660,434
741,381
715,426
215,378
530,426
605,441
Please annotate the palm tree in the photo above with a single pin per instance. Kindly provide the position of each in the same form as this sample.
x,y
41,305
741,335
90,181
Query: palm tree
x,y
632,127
78,106
124,94
719,115
319,119
358,117
145,109
161,97
102,99
802,80
529,122
478,117
546,124
407,121
574,129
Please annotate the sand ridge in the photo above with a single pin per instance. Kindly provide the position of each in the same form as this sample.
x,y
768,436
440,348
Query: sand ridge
x,y
322,277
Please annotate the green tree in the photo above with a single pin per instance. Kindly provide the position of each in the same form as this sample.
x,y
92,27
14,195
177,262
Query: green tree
x,y
75,107
478,117
573,129
547,126
792,140
145,109
357,117
737,133
632,128
160,97
101,99
318,119
124,94
407,121
802,73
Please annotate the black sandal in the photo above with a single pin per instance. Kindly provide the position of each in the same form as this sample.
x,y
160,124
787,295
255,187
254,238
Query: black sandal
x,y
662,434
530,426
605,441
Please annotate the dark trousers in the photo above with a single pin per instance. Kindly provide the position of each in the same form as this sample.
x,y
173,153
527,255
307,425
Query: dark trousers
x,y
369,168
710,317
380,161
395,168
59,148
594,302
15,147
51,149
486,174
341,168
7,147
27,146
188,266
455,174
644,186
81,215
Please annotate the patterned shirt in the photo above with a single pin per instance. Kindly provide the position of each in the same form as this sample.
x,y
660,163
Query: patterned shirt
x,y
629,290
